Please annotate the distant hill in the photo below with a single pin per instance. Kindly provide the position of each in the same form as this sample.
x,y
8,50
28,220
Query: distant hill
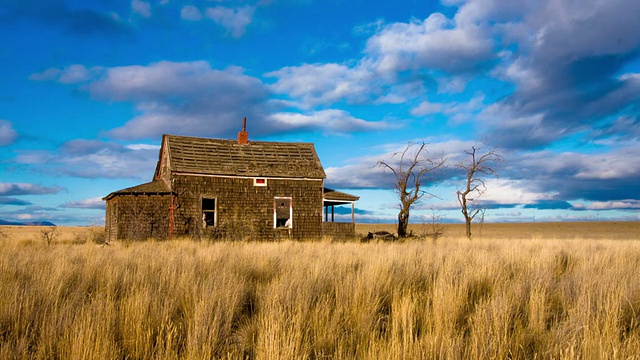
x,y
31,223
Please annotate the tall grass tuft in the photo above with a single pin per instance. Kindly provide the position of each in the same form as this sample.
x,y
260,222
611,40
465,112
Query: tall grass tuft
x,y
451,299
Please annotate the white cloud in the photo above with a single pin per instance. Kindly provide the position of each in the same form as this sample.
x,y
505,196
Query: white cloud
x,y
169,80
563,57
598,175
506,191
457,112
435,43
504,125
496,11
51,74
612,164
27,189
555,64
380,76
623,128
191,98
391,99
318,84
184,98
428,108
617,164
91,203
544,45
191,13
94,159
143,147
7,134
363,172
333,121
629,204
141,8
234,20
311,85
75,74
72,74
452,84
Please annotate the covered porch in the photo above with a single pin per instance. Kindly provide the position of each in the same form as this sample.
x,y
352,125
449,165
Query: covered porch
x,y
330,227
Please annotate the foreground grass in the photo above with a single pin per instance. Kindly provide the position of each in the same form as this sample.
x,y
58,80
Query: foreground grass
x,y
447,299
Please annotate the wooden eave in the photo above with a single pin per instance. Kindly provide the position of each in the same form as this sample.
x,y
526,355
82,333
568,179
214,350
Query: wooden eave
x,y
156,187
338,197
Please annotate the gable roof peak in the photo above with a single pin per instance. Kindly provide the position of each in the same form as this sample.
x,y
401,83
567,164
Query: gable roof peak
x,y
229,157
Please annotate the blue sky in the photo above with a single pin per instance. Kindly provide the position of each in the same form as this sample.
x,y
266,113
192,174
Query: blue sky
x,y
87,88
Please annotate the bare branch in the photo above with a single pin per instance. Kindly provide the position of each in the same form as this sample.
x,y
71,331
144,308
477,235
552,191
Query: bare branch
x,y
411,171
481,160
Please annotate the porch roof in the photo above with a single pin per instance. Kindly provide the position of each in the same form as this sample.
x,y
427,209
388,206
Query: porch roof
x,y
156,187
334,197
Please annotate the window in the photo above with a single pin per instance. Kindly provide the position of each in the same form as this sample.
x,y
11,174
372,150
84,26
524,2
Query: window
x,y
259,182
283,212
208,212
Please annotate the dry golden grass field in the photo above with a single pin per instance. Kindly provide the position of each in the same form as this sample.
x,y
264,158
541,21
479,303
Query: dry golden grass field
x,y
517,291
555,230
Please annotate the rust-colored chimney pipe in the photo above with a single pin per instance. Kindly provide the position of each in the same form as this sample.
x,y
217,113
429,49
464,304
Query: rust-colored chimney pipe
x,y
243,136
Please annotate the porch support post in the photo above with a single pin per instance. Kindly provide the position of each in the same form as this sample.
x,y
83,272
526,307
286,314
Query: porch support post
x,y
353,211
326,213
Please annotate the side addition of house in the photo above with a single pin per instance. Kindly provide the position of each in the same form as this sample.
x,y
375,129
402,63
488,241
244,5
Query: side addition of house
x,y
213,188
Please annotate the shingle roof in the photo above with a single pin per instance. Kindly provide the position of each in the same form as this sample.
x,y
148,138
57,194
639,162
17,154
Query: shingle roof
x,y
156,187
257,158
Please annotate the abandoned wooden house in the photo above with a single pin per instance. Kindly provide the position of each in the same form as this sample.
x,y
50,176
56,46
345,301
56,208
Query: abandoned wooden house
x,y
235,189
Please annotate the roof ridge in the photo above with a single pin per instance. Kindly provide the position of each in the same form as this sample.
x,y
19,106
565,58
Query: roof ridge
x,y
200,155
235,140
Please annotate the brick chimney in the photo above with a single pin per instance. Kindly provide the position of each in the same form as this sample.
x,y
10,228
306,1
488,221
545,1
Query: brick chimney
x,y
243,136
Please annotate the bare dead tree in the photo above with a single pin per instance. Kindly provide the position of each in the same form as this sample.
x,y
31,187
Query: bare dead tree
x,y
482,213
143,217
49,234
411,168
432,225
481,161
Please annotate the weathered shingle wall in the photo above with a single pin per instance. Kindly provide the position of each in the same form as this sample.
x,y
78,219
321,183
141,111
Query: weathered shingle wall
x,y
138,217
245,210
111,220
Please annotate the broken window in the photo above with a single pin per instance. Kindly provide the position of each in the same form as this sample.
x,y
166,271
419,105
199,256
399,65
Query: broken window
x,y
283,212
208,212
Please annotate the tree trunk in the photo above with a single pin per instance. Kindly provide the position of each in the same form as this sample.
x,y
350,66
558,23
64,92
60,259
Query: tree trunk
x,y
403,223
462,198
468,227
